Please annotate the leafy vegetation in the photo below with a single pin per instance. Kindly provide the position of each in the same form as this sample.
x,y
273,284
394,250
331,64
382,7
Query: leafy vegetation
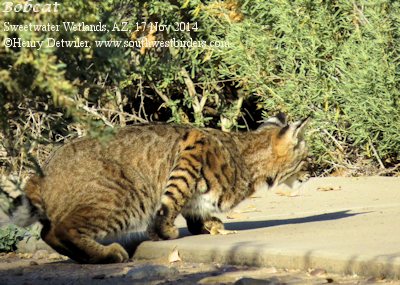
x,y
10,235
336,60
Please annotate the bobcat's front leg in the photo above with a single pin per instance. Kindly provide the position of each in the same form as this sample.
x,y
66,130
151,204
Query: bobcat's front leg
x,y
180,186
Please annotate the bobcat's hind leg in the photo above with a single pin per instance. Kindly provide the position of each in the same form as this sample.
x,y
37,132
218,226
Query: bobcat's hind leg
x,y
80,246
199,225
180,186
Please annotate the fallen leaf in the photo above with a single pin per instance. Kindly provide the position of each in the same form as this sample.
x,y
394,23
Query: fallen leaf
x,y
268,270
255,197
234,216
174,256
223,232
288,193
329,188
54,256
40,254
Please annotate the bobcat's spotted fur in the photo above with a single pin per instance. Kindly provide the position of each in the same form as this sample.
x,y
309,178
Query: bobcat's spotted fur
x,y
148,174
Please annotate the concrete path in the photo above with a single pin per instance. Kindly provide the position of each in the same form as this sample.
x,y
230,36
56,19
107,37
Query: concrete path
x,y
343,225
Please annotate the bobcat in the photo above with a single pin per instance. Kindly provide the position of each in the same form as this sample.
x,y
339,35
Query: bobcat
x,y
146,175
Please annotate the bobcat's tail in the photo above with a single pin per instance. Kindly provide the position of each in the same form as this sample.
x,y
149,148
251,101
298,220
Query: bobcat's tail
x,y
29,206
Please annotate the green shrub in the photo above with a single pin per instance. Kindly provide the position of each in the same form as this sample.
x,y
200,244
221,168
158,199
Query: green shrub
x,y
337,60
10,235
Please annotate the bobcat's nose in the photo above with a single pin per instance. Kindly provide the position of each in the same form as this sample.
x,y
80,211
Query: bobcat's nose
x,y
270,181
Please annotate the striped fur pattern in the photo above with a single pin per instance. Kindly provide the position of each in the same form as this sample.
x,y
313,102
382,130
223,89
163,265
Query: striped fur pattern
x,y
148,174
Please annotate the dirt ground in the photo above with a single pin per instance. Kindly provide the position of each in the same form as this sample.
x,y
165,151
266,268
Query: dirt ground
x,y
42,268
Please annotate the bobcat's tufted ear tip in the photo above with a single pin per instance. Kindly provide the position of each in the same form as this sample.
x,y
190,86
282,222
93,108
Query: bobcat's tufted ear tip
x,y
282,118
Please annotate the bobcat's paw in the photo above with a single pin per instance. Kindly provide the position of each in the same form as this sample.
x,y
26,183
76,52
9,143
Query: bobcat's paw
x,y
214,226
162,231
168,232
114,253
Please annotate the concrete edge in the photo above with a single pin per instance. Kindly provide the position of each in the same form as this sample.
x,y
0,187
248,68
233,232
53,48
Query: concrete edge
x,y
250,256
382,267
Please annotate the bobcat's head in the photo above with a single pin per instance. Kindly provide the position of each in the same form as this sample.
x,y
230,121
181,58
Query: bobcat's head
x,y
281,150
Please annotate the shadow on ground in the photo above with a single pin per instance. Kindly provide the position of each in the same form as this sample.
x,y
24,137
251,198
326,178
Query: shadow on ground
x,y
251,225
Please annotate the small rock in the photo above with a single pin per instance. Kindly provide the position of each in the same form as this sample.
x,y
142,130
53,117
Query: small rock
x,y
227,269
99,276
374,280
257,275
252,281
31,244
32,262
317,272
219,279
18,272
152,271
40,254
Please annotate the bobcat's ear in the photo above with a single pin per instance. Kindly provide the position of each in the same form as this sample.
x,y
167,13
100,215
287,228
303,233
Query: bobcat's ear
x,y
295,130
279,120
291,134
299,128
